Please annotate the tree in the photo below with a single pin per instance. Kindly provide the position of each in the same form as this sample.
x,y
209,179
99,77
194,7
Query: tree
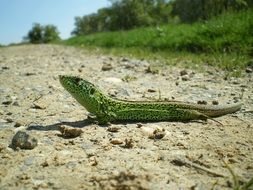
x,y
50,34
35,34
124,15
42,34
193,10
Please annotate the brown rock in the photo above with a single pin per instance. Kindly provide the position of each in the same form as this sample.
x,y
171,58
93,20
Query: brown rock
x,y
202,102
249,70
116,141
70,132
23,140
183,72
107,67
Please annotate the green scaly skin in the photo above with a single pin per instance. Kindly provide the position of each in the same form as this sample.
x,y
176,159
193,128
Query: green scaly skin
x,y
108,109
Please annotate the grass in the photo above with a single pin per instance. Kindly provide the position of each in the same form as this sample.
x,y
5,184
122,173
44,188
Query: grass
x,y
225,42
237,184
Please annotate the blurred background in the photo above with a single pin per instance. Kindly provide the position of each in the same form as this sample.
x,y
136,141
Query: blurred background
x,y
214,32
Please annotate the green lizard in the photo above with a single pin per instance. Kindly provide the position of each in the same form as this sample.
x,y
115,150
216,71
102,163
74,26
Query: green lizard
x,y
107,109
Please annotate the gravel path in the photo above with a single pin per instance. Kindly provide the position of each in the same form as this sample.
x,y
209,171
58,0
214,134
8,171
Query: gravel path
x,y
64,150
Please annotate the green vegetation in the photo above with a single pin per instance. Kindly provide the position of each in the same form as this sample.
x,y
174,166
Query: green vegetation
x,y
124,15
237,184
130,14
42,34
189,32
190,11
229,33
225,41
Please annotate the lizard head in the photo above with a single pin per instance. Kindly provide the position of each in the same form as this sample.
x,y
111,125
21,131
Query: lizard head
x,y
86,93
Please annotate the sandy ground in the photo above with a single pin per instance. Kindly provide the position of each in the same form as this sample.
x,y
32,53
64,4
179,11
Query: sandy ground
x,y
161,155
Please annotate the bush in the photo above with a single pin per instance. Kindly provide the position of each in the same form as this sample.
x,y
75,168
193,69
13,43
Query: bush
x,y
42,34
230,32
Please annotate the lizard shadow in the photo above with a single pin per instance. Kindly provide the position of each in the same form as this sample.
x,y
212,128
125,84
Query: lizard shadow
x,y
55,126
84,123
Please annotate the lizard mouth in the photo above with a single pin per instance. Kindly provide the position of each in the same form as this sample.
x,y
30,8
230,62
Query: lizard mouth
x,y
62,80
61,77
65,81
70,83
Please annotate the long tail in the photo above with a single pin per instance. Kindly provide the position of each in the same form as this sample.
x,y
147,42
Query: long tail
x,y
208,110
216,111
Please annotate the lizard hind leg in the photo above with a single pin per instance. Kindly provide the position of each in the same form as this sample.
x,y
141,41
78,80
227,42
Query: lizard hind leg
x,y
102,120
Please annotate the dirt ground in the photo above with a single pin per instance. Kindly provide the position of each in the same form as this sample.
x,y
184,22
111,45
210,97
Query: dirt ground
x,y
161,155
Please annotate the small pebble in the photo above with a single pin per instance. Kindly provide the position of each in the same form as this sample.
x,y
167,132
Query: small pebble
x,y
24,141
15,103
154,132
183,72
7,102
93,161
152,70
202,102
158,134
37,105
215,102
113,80
44,164
9,113
29,74
124,59
107,67
129,66
70,132
151,90
116,141
113,129
5,67
185,78
9,120
20,122
139,125
128,143
249,70
17,124
236,82
128,78
148,131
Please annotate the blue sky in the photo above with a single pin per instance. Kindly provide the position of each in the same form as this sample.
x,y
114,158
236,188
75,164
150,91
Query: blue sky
x,y
17,16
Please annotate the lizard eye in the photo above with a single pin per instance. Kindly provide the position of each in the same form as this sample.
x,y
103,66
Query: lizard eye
x,y
77,80
92,90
